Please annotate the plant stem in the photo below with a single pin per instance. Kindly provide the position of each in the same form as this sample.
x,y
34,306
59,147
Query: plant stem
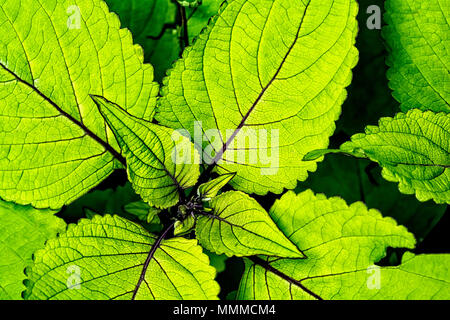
x,y
184,38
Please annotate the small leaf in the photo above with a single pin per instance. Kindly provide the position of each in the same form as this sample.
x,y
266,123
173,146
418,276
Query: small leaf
x,y
160,161
239,226
342,243
417,34
184,227
103,258
23,230
211,188
316,154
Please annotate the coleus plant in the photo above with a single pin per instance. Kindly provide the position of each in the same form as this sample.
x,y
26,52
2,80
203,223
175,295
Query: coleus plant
x,y
246,111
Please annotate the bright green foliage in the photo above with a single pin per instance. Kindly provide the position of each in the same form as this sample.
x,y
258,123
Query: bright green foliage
x,y
254,100
239,226
160,161
108,253
418,34
53,142
412,148
185,226
210,189
143,211
247,76
342,243
23,230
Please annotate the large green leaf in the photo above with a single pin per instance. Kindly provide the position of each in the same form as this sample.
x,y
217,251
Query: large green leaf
x,y
54,145
23,230
412,148
418,36
342,243
239,226
160,161
264,89
103,258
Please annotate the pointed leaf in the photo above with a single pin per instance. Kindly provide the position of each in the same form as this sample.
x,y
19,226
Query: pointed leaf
x,y
160,162
23,230
239,226
107,255
54,145
265,95
184,227
210,189
418,36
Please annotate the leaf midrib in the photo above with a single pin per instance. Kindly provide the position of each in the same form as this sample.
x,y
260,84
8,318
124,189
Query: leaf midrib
x,y
261,94
87,131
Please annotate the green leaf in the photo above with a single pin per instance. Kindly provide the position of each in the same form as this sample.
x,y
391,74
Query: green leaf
x,y
54,145
357,180
23,230
239,226
413,149
103,259
160,161
342,243
185,226
418,36
277,91
211,188
143,211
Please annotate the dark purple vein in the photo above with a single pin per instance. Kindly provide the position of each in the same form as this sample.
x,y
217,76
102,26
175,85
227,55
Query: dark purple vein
x,y
150,256
88,132
265,265
225,146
